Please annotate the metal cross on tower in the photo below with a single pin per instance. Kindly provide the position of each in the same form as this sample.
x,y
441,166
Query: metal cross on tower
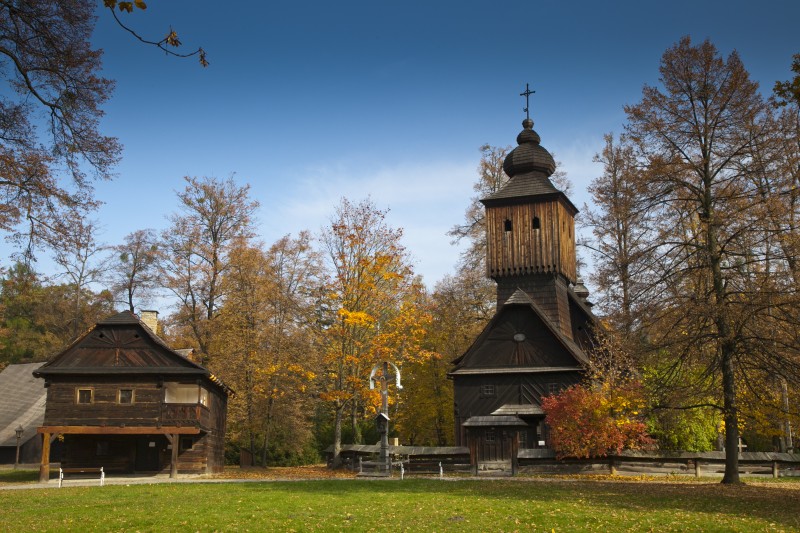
x,y
527,94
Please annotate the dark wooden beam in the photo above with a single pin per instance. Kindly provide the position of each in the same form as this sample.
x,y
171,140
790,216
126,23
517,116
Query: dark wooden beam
x,y
115,430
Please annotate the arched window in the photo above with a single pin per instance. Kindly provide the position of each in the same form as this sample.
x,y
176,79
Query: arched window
x,y
536,223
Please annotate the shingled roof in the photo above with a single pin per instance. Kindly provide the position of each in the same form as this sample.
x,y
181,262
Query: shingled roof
x,y
22,400
501,342
123,344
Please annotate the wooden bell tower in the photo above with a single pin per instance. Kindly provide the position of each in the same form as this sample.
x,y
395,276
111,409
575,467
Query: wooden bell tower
x,y
530,229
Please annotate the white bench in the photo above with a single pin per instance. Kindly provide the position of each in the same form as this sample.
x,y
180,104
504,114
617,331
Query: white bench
x,y
81,471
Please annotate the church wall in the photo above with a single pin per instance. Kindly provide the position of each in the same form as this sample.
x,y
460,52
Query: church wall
x,y
472,399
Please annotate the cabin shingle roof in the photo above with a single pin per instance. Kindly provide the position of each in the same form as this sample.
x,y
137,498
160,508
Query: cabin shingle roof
x,y
22,400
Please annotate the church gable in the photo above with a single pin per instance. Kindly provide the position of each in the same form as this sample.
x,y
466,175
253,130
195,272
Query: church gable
x,y
519,337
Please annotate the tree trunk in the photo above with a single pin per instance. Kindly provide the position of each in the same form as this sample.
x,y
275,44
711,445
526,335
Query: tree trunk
x,y
267,431
357,436
731,420
337,437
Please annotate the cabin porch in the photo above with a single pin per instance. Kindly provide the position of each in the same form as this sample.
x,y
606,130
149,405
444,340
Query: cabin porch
x,y
126,449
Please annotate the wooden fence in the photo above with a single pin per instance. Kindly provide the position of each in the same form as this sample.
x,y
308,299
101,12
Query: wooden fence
x,y
543,461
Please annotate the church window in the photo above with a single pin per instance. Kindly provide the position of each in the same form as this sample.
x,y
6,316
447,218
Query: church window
x,y
553,388
487,390
536,223
490,435
507,225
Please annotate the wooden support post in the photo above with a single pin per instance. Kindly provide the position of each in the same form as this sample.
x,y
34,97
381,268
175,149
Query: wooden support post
x,y
612,467
44,468
515,452
697,468
775,469
173,467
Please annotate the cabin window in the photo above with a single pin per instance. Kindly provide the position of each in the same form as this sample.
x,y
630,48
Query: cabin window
x,y
185,393
536,223
553,388
125,396
487,390
84,396
187,443
490,435
507,225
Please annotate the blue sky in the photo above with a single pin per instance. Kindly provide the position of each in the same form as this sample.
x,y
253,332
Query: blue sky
x,y
312,101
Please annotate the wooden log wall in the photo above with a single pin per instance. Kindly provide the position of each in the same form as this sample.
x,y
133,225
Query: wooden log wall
x,y
525,250
62,408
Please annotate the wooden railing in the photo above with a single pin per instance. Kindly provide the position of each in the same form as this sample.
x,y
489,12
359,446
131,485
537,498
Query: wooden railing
x,y
182,414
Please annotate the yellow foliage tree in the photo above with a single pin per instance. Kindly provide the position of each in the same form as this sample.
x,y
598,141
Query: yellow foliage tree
x,y
372,314
262,347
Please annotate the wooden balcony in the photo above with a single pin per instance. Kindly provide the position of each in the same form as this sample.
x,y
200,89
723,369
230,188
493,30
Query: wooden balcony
x,y
185,415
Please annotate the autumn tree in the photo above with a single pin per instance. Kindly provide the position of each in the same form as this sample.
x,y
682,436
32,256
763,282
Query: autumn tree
x,y
214,215
789,91
23,337
595,421
696,139
51,147
133,268
37,318
491,178
623,234
82,263
263,346
370,315
459,309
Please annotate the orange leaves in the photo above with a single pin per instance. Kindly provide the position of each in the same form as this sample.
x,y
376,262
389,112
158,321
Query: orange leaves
x,y
127,7
595,422
172,38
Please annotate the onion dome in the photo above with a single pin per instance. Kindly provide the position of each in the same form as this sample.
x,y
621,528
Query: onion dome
x,y
529,156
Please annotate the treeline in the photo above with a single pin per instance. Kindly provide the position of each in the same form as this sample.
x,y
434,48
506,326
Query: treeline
x,y
696,242
294,327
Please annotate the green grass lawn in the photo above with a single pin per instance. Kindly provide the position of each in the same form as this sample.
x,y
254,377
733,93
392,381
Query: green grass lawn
x,y
412,505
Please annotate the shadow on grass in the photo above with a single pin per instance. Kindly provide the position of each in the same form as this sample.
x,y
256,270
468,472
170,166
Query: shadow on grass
x,y
19,476
775,503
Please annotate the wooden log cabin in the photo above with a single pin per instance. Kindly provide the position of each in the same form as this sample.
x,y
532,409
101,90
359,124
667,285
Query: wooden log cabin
x,y
123,400
537,342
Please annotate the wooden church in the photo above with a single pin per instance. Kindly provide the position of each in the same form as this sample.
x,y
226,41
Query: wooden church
x,y
121,399
537,342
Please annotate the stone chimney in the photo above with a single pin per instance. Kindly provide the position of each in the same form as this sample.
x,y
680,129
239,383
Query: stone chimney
x,y
150,319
